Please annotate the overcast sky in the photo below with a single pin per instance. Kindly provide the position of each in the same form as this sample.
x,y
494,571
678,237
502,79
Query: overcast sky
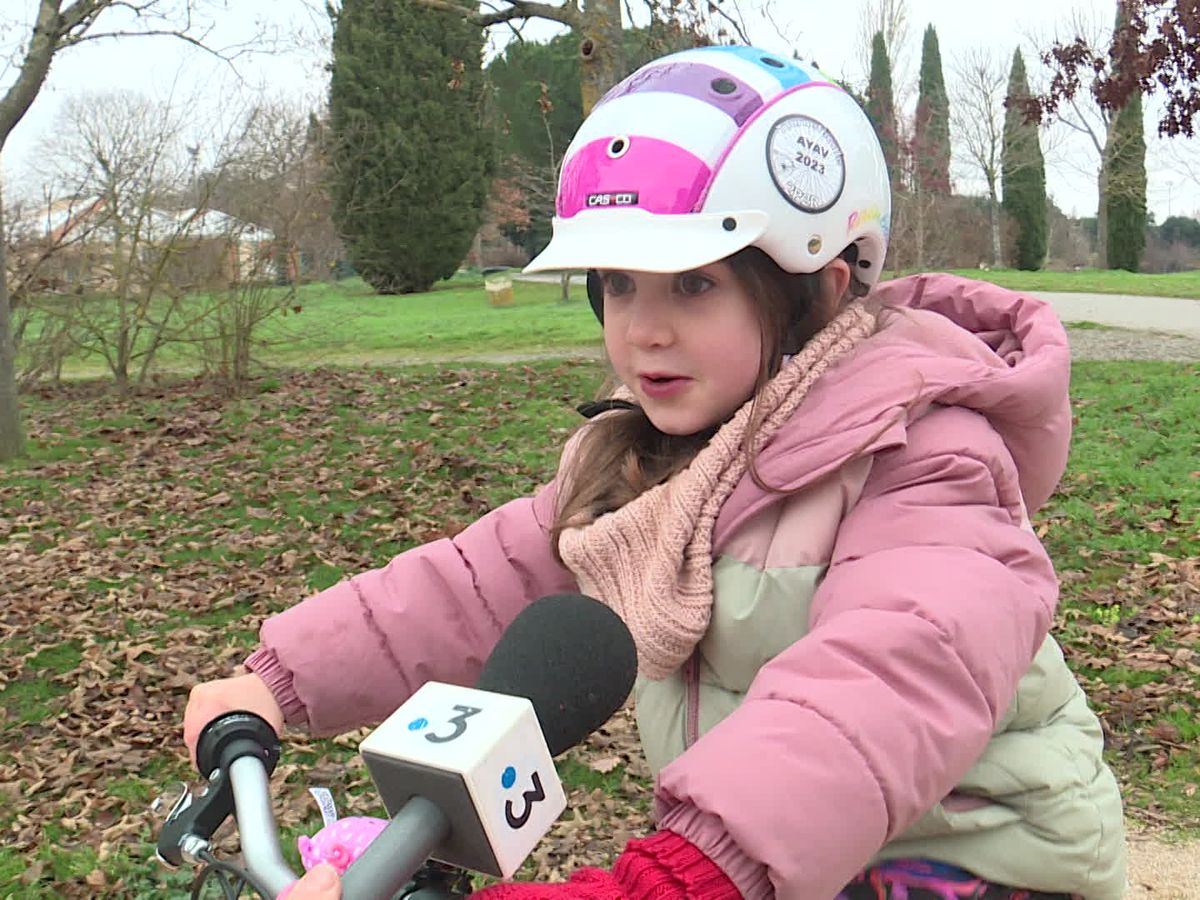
x,y
164,68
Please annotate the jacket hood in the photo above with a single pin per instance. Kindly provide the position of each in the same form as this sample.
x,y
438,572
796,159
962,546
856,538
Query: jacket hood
x,y
941,339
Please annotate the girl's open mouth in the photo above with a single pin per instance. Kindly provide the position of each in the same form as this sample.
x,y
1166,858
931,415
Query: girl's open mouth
x,y
659,386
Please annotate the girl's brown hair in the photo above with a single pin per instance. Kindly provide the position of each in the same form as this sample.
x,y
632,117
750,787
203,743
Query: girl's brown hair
x,y
621,454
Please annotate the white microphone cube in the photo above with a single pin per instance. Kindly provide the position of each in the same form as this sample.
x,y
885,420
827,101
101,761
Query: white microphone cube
x,y
482,759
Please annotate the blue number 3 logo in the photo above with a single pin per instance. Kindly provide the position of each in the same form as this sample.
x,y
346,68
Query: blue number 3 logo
x,y
459,722
529,797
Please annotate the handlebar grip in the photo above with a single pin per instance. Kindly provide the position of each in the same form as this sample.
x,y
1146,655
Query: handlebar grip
x,y
224,740
232,736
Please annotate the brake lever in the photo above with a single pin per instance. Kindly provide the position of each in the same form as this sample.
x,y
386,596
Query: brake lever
x,y
194,819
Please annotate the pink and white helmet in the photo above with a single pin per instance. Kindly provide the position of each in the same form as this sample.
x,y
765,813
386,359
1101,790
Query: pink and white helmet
x,y
706,152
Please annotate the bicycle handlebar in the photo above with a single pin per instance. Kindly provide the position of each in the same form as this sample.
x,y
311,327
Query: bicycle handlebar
x,y
256,824
237,753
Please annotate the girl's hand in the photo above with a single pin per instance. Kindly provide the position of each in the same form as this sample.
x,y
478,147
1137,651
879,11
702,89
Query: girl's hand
x,y
212,698
321,883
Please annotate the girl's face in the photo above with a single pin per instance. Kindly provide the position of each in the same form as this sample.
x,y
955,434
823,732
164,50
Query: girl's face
x,y
688,344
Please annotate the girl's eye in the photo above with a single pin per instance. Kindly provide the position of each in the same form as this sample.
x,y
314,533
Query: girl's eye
x,y
692,283
616,283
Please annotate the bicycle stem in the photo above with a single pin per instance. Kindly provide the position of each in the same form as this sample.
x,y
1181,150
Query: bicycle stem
x,y
398,852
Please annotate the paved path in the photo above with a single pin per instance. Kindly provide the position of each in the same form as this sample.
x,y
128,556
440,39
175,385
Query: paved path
x,y
1162,869
1173,315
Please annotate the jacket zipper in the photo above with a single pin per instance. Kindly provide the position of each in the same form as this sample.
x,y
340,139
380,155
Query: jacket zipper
x,y
691,677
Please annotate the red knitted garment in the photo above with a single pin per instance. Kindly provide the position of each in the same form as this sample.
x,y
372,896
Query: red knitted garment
x,y
663,866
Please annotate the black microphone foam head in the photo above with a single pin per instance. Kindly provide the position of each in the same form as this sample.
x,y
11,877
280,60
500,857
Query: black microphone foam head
x,y
572,657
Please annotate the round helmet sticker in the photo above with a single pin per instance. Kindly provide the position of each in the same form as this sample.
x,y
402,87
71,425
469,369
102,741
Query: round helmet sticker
x,y
806,163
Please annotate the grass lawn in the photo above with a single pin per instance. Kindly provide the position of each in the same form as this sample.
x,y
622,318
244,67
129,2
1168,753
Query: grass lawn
x,y
147,537
346,324
1093,281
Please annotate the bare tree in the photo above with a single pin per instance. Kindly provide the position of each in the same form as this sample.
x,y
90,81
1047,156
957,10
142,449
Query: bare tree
x,y
891,18
931,229
122,160
977,114
161,264
1182,158
596,22
27,245
59,25
718,23
41,235
274,175
598,25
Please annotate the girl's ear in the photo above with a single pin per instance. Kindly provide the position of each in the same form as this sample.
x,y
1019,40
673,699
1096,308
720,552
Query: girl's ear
x,y
835,281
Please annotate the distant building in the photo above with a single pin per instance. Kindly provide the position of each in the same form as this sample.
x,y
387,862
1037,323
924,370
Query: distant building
x,y
83,245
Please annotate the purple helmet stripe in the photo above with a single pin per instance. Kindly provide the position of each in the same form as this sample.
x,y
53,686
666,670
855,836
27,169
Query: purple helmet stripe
x,y
705,83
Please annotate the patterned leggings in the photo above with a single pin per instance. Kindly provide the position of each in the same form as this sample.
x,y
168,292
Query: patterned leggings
x,y
918,879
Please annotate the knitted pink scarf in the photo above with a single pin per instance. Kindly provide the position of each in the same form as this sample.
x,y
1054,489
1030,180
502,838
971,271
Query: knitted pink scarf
x,y
651,560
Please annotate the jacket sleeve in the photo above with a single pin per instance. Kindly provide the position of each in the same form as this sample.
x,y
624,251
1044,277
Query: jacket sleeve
x,y
934,604
351,654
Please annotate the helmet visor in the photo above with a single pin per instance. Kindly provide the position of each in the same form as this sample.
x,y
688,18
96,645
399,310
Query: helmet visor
x,y
640,241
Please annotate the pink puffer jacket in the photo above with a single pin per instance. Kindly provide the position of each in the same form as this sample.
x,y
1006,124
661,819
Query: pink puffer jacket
x,y
873,740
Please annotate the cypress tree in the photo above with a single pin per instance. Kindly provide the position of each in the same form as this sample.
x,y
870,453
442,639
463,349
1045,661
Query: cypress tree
x,y
933,121
1124,179
1023,174
1125,191
881,109
410,157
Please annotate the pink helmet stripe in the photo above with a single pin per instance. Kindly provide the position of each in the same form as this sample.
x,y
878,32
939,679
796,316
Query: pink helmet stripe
x,y
653,175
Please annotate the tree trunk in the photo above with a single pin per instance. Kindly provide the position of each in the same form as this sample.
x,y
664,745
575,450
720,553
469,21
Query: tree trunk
x,y
32,69
601,51
476,254
919,230
997,244
12,441
1102,217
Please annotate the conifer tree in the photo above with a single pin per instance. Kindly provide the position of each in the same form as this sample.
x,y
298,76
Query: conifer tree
x,y
1124,176
881,108
1023,175
410,156
1125,187
932,134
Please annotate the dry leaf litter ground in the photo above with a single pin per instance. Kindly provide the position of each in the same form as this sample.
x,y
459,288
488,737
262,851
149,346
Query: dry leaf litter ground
x,y
142,561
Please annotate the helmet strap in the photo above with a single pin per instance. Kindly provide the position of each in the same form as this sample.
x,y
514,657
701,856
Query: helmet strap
x,y
595,292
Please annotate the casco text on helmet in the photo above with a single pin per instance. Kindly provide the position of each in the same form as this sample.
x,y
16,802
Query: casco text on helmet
x,y
702,153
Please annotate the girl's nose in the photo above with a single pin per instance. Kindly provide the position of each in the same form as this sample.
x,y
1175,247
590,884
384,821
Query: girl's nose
x,y
649,323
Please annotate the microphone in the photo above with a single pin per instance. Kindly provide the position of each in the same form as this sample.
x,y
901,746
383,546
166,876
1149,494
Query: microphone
x,y
572,657
467,774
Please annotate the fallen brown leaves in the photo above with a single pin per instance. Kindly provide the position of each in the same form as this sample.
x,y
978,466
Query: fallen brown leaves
x,y
144,561
1141,672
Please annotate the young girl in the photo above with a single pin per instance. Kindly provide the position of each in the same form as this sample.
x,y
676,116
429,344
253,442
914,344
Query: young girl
x,y
809,500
